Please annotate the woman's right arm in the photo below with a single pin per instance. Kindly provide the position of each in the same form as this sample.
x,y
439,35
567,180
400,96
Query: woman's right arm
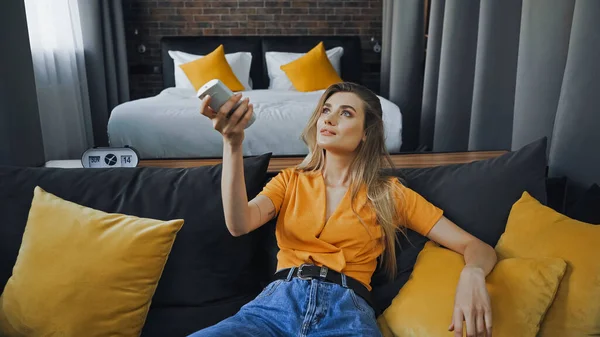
x,y
241,216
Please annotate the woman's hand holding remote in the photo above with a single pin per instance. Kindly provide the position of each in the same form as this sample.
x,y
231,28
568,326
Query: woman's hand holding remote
x,y
230,124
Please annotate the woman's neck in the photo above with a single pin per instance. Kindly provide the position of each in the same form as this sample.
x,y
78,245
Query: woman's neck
x,y
336,169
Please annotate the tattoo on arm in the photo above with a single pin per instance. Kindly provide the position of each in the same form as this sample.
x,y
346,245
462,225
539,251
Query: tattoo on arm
x,y
259,212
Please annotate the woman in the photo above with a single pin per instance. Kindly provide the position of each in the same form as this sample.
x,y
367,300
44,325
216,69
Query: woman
x,y
337,214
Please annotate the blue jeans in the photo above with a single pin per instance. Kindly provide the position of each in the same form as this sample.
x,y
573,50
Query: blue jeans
x,y
295,307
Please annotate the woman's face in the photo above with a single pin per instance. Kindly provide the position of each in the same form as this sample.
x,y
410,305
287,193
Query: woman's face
x,y
340,127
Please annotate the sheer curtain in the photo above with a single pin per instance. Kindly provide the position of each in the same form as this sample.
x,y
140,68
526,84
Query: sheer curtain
x,y
60,77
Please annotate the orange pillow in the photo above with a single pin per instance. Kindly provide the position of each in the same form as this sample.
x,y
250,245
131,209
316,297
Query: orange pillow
x,y
534,231
84,272
313,71
520,289
211,66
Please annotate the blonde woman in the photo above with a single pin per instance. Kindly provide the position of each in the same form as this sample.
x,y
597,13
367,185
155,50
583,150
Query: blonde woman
x,y
337,214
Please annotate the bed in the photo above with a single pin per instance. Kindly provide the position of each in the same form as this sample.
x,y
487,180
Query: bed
x,y
169,124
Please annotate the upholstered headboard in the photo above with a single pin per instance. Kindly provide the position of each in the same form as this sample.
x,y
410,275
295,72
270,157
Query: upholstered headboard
x,y
351,61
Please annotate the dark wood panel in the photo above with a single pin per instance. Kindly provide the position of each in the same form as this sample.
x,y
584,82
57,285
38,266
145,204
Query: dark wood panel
x,y
399,160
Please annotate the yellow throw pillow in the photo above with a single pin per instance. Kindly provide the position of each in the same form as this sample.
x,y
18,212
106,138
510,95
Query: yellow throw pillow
x,y
383,327
83,272
534,230
211,66
521,290
312,71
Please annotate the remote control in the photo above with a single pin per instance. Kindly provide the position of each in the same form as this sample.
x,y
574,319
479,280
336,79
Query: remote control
x,y
219,94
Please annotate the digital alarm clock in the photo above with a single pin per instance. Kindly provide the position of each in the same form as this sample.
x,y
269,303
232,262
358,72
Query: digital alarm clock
x,y
104,157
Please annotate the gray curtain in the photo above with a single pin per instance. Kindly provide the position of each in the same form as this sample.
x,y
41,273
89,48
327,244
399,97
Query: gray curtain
x,y
402,82
21,141
105,59
575,150
500,74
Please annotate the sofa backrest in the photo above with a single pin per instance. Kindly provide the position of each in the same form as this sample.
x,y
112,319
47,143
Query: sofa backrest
x,y
210,274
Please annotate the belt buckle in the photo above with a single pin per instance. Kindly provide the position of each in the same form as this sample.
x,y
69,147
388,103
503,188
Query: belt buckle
x,y
299,275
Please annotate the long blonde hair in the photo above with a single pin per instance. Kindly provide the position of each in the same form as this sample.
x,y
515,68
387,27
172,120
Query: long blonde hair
x,y
366,167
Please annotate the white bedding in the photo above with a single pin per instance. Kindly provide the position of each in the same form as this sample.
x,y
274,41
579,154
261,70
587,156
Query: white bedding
x,y
169,125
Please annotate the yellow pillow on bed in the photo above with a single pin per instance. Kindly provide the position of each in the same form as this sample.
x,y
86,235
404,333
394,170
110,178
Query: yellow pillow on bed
x,y
211,66
312,71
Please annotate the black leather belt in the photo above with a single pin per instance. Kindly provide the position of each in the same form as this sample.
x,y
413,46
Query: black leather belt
x,y
310,271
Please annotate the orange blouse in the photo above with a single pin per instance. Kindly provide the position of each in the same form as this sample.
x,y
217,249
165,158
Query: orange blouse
x,y
341,243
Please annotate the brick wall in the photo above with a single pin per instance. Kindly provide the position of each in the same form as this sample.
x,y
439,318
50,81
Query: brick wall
x,y
153,19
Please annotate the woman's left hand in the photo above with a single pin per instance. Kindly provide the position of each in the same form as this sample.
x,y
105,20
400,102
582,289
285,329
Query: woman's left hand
x,y
472,304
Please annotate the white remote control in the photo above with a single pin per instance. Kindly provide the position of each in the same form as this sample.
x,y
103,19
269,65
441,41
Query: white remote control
x,y
219,94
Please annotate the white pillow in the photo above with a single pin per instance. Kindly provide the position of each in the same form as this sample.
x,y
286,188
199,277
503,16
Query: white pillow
x,y
239,62
278,80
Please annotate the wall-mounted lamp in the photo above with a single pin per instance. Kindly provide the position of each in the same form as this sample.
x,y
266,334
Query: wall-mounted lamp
x,y
141,48
376,45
